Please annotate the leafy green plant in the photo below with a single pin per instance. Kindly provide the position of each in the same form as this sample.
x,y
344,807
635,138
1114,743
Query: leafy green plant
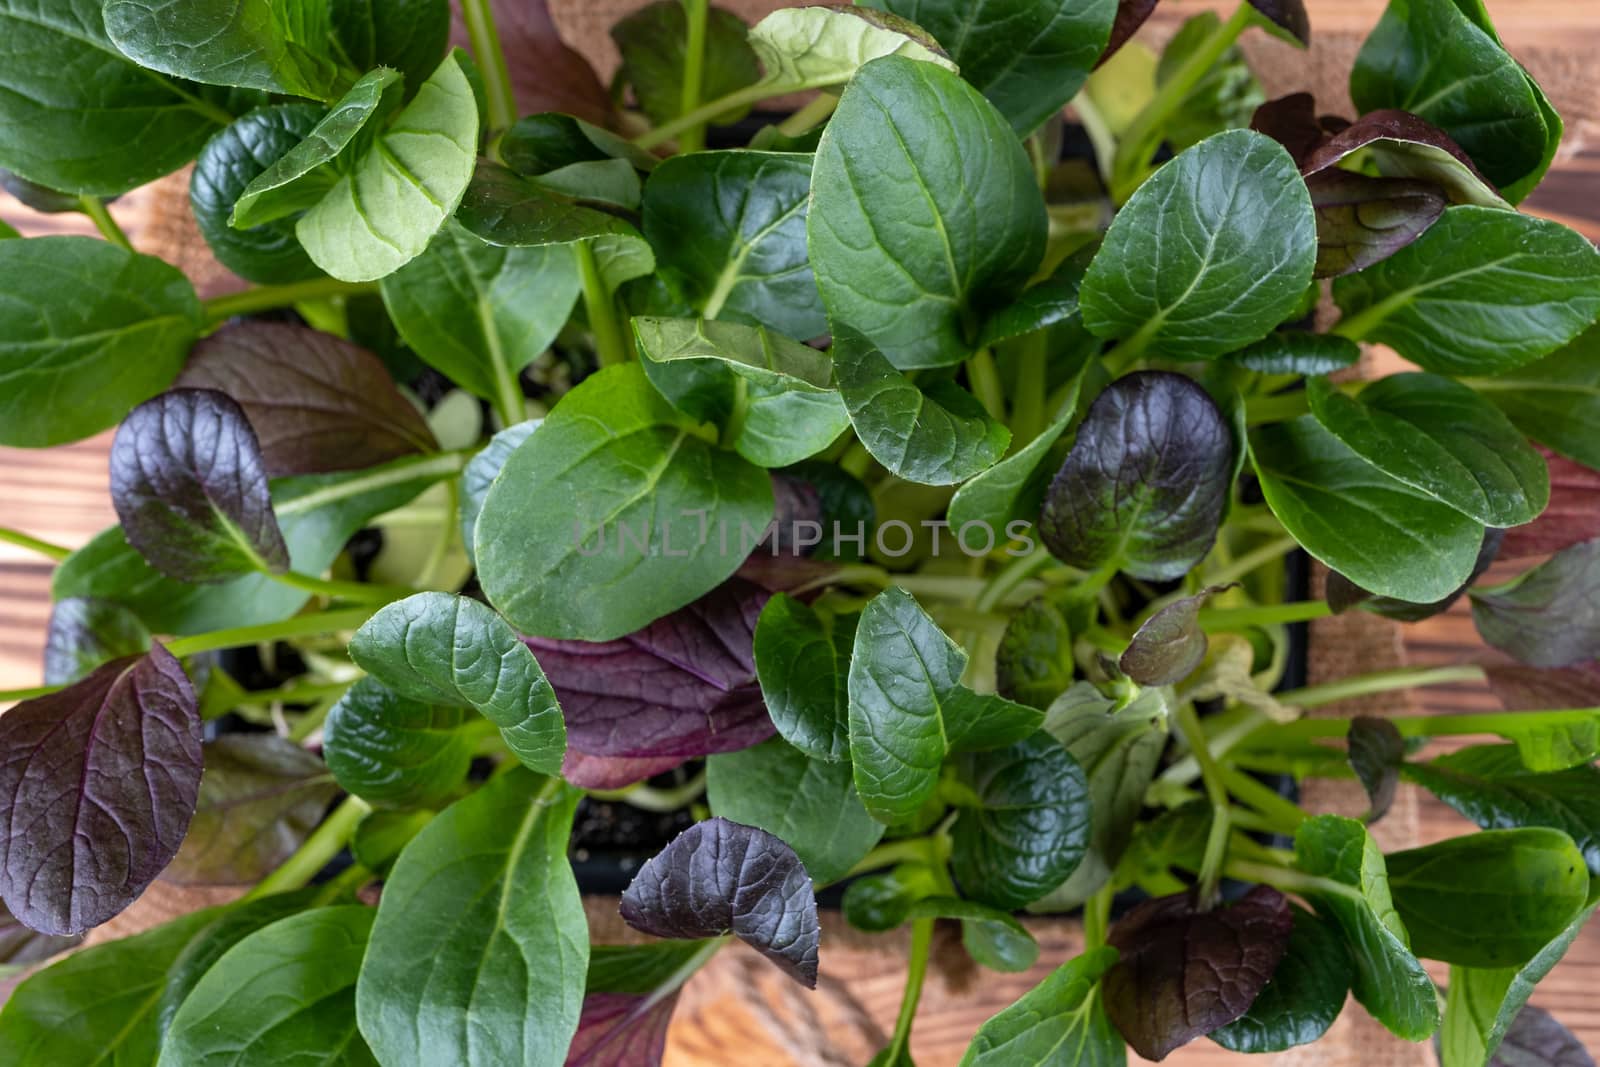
x,y
903,505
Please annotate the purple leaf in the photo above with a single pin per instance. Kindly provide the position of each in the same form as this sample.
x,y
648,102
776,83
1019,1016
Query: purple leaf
x,y
1521,688
1537,1039
719,877
1405,146
1131,14
1572,515
683,686
1184,973
316,402
546,75
1548,616
191,490
621,1030
1170,644
98,782
1377,752
1362,220
1292,122
612,772
1288,15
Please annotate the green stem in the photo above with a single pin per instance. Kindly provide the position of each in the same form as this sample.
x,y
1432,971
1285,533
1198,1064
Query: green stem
x,y
33,544
1259,410
322,622
1142,138
1356,327
1212,619
297,693
1012,575
1498,723
740,413
95,208
1027,415
439,463
485,39
9,695
1285,815
650,798
344,884
750,94
809,117
325,842
311,720
921,943
1380,682
1289,880
693,139
265,297
1097,918
601,307
889,853
1187,769
1257,557
984,377
360,592
1216,790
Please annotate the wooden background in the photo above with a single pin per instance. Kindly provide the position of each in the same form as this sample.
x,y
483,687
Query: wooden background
x,y
737,1013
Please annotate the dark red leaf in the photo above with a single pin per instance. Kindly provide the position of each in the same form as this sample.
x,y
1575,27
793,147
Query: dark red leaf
x,y
316,402
612,772
1288,15
683,686
1401,129
1184,973
1537,1039
98,783
621,1030
1131,14
1573,514
1377,752
1520,688
546,75
1363,220
1170,644
1292,122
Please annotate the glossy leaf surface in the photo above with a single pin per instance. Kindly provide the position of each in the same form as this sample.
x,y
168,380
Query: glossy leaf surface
x,y
1303,997
387,749
1059,1021
803,662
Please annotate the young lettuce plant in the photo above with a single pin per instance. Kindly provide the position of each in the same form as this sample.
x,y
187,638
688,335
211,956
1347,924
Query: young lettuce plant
x,y
907,505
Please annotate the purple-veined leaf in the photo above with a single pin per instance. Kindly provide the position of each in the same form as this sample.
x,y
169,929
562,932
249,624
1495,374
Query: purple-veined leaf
x,y
85,632
1548,616
1131,14
719,877
1185,972
1405,146
1572,515
1288,15
1376,753
1363,220
621,1030
98,783
683,686
317,403
1170,644
546,75
191,490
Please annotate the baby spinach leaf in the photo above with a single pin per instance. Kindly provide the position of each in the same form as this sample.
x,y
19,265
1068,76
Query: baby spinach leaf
x,y
387,749
1381,533
1390,982
933,435
1482,292
316,402
296,179
381,835
190,487
809,803
629,469
991,937
1012,488
817,47
99,781
1209,255
1184,972
803,661
229,162
879,902
908,708
654,45
1377,752
1034,663
916,288
1490,899
409,35
397,195
1051,301
484,903
1169,645
277,46
1439,437
1343,594
260,798
1401,145
719,877
791,410
1060,1021
1303,997
481,471
1363,220
480,313
442,649
1028,823
538,144
729,229
1556,400
1548,616
1298,352
110,127
1029,57
1145,484
1431,57
76,310
99,1003
84,633
285,990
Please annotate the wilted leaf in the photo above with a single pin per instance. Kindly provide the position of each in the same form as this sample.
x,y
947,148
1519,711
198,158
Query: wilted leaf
x,y
84,633
1377,752
1170,644
387,749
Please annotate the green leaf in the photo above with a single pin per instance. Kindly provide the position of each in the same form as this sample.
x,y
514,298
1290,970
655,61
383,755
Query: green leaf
x,y
480,313
908,708
1484,291
277,46
1026,826
1029,57
809,803
1385,536
484,903
1014,487
1490,899
1224,99
1304,995
1439,437
882,901
1209,255
816,47
629,470
389,750
287,990
1390,982
541,144
1048,303
1556,401
7,232
409,35
913,272
442,649
109,127
1034,664
1058,1023
790,408
98,1005
78,311
84,633
934,435
481,471
654,46
1548,616
729,229
991,937
1298,352
397,195
803,662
